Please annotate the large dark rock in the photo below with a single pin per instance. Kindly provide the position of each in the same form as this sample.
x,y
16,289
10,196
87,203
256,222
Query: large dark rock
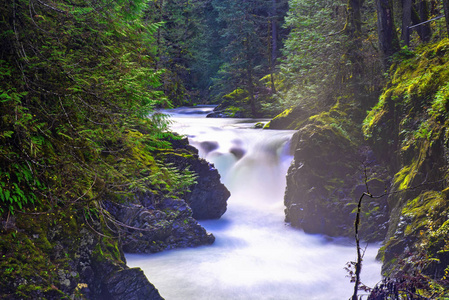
x,y
316,197
129,284
237,104
208,197
66,256
291,118
154,224
326,179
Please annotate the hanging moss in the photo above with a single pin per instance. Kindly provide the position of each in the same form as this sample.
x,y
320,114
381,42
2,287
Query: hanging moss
x,y
326,177
408,129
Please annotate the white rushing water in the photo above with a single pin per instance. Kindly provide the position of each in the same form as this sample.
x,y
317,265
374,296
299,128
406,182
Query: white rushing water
x,y
256,256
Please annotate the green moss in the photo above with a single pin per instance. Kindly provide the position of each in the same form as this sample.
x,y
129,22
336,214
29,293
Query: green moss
x,y
24,261
232,111
374,116
419,208
236,95
410,119
237,98
288,119
419,84
284,114
337,122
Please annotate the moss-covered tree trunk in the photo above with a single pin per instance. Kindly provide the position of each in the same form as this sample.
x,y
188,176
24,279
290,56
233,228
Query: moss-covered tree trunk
x,y
274,46
406,20
249,74
388,40
446,14
355,18
424,30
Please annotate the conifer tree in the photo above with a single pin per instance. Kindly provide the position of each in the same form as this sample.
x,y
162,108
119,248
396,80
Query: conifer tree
x,y
76,86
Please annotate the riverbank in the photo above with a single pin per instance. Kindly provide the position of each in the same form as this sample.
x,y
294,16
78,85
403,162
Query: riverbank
x,y
255,254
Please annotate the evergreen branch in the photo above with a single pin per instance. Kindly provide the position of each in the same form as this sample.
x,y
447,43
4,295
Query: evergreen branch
x,y
51,7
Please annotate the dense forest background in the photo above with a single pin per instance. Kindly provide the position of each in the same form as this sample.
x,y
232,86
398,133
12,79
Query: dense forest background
x,y
81,82
261,57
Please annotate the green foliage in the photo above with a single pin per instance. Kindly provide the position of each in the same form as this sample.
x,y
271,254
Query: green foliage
x,y
310,52
323,62
418,85
250,35
76,78
186,47
173,182
411,120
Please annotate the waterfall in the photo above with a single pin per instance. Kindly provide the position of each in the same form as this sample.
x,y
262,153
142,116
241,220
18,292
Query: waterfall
x,y
256,255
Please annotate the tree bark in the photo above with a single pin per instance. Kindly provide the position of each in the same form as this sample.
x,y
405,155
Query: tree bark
x,y
274,33
406,21
446,14
388,40
354,32
274,46
249,74
424,15
355,18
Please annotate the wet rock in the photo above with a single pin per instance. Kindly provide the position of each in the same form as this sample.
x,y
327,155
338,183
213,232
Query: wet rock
x,y
129,284
237,152
154,222
227,114
291,118
208,146
325,182
208,197
67,259
159,225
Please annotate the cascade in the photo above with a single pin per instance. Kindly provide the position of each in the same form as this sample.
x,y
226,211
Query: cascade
x,y
255,255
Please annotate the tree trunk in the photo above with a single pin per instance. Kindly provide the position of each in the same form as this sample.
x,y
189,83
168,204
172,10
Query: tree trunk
x,y
355,18
406,21
418,16
424,15
249,74
159,35
354,31
446,14
274,46
388,40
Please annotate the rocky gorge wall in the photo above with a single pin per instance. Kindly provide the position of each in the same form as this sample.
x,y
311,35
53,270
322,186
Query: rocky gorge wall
x,y
78,254
408,128
332,167
400,149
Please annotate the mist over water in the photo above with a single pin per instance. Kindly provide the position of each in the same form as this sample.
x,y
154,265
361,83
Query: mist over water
x,y
255,255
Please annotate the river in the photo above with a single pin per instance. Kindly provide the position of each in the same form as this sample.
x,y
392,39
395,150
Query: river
x,y
256,256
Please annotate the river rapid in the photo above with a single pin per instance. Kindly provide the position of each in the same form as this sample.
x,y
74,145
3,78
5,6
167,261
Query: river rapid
x,y
256,256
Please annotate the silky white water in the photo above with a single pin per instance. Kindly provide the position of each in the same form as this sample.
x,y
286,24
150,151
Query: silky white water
x,y
256,256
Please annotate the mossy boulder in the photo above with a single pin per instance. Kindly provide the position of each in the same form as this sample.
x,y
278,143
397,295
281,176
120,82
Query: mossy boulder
x,y
208,196
154,224
291,118
61,256
237,104
408,131
326,179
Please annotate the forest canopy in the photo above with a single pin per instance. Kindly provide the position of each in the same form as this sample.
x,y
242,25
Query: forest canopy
x,y
81,82
80,78
78,82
